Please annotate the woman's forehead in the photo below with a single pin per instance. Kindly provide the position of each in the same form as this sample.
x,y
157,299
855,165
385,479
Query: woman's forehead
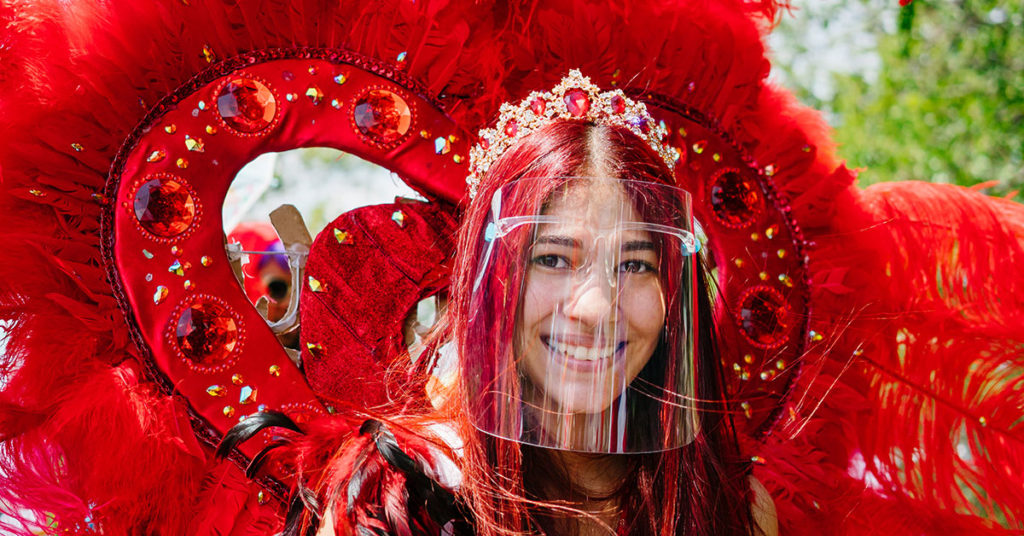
x,y
597,204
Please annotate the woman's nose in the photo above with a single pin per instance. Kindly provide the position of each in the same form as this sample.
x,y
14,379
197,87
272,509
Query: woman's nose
x,y
592,299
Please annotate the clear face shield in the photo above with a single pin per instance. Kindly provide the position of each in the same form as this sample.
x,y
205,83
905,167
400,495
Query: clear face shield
x,y
582,332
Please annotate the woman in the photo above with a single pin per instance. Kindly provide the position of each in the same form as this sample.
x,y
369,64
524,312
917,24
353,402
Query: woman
x,y
589,400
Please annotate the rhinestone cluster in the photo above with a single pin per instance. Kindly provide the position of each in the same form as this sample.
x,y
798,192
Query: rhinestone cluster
x,y
574,98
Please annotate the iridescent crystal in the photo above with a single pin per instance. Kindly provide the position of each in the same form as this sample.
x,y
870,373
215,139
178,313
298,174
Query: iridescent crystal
x,y
229,411
246,105
216,390
170,129
176,268
164,207
206,260
211,130
315,285
147,254
208,54
398,217
274,370
382,116
442,146
341,79
315,95
182,163
156,156
160,295
237,379
247,395
343,237
206,333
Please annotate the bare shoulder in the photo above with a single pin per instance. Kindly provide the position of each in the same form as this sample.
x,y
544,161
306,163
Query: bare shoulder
x,y
762,507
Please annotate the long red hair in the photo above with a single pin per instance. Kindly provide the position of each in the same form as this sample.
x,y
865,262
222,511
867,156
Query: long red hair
x,y
697,489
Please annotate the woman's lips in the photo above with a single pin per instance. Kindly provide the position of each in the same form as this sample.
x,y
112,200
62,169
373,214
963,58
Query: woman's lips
x,y
583,353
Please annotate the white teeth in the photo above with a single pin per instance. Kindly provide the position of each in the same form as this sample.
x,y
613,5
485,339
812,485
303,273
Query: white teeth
x,y
583,353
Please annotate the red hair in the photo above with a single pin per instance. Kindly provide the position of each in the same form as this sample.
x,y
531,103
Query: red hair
x,y
698,489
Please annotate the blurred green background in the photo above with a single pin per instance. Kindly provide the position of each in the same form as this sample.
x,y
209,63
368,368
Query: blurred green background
x,y
933,91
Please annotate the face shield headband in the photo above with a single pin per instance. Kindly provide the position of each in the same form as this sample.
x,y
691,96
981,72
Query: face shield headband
x,y
582,328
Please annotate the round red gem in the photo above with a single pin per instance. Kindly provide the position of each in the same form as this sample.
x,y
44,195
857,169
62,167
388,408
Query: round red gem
x,y
246,105
206,333
511,128
382,116
618,104
164,207
538,106
735,199
577,102
764,317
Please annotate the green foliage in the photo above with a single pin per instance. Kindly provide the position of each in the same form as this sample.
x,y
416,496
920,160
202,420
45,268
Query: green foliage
x,y
948,102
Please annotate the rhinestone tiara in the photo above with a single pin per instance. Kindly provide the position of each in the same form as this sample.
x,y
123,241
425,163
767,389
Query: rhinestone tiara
x,y
575,98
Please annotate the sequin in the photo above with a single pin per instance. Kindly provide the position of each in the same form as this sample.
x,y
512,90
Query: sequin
x,y
206,333
382,116
164,207
735,199
764,317
246,105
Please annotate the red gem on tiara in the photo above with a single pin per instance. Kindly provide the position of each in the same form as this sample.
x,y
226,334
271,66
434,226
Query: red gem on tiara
x,y
618,104
511,128
577,102
538,106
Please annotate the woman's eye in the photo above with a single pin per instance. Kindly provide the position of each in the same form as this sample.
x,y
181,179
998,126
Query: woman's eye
x,y
551,261
637,267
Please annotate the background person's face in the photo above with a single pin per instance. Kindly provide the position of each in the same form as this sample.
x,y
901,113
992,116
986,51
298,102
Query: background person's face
x,y
593,306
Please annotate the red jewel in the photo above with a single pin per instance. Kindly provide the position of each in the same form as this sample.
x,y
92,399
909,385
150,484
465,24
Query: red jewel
x,y
577,102
735,199
246,105
206,333
538,106
764,317
164,207
485,143
618,104
511,128
382,116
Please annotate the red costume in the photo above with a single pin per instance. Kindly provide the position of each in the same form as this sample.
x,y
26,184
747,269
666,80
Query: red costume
x,y
873,343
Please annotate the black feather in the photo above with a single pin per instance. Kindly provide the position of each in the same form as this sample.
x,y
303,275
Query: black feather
x,y
251,426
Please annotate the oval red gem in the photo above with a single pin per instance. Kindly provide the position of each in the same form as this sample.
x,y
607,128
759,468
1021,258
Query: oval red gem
x,y
164,207
764,317
382,116
206,333
246,105
735,199
618,104
577,102
538,106
511,128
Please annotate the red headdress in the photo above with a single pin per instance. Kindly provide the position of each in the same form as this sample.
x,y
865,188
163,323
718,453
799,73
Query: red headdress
x,y
873,346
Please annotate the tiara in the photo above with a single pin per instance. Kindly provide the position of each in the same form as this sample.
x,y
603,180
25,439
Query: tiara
x,y
574,98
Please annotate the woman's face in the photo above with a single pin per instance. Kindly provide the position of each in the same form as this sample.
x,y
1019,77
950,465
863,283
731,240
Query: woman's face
x,y
593,306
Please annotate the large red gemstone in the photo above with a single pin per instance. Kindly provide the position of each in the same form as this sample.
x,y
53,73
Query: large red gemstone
x,y
206,333
735,199
246,105
618,104
382,116
164,207
538,106
764,317
577,102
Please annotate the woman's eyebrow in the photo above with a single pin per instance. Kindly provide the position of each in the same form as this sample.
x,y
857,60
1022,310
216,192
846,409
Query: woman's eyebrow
x,y
558,240
638,245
